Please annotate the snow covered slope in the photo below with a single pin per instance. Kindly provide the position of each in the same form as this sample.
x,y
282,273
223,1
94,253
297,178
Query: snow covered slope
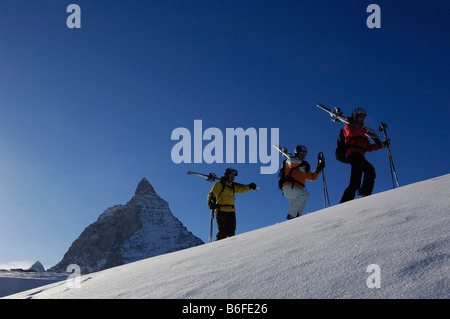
x,y
331,253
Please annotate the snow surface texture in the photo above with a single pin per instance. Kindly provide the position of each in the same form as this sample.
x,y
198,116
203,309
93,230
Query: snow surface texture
x,y
405,232
12,282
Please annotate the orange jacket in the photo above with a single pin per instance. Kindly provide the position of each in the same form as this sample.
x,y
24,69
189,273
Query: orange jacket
x,y
298,173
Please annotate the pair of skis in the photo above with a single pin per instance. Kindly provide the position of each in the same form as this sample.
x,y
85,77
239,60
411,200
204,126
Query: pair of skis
x,y
336,116
211,177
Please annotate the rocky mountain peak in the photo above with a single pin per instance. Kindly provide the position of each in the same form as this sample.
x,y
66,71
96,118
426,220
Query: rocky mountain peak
x,y
144,227
144,188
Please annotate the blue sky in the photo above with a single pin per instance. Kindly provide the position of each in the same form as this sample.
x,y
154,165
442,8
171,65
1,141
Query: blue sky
x,y
86,113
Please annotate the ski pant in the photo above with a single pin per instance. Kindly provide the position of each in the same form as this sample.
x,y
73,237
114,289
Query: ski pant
x,y
297,198
226,224
359,166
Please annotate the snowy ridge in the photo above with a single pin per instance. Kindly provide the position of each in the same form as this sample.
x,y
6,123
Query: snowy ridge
x,y
326,254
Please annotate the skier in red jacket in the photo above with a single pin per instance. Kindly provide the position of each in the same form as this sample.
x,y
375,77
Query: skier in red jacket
x,y
358,145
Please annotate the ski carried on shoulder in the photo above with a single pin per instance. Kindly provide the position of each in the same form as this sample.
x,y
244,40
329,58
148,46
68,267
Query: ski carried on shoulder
x,y
212,177
336,116
283,151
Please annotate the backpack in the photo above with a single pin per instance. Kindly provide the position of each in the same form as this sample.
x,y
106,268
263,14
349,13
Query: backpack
x,y
281,175
341,148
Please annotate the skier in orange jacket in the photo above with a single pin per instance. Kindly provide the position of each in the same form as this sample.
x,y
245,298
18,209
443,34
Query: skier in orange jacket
x,y
296,172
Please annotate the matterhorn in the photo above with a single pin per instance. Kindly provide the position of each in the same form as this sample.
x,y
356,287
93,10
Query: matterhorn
x,y
142,228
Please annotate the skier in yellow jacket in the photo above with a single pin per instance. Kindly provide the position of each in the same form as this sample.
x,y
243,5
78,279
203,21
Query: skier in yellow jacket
x,y
221,199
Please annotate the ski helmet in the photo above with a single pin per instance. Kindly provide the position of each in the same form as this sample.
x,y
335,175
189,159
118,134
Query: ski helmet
x,y
301,149
358,111
230,171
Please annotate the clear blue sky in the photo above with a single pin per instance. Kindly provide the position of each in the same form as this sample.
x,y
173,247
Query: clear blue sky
x,y
86,113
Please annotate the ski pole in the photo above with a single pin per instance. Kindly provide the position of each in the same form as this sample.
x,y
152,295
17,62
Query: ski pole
x,y
394,177
325,191
326,198
211,226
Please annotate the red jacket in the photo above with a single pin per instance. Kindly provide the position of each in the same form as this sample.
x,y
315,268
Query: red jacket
x,y
358,141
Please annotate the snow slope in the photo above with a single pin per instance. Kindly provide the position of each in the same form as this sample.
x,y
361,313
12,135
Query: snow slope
x,y
12,282
326,254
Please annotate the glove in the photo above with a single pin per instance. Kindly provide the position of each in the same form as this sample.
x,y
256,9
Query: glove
x,y
212,205
252,186
386,142
370,131
320,162
212,202
320,167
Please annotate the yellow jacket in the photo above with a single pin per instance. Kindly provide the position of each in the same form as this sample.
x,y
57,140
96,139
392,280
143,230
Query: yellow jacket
x,y
224,192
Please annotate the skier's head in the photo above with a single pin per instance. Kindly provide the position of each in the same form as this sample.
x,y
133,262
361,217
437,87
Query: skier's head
x,y
300,151
230,174
358,115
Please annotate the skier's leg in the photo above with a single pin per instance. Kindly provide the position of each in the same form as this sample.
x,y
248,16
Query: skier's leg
x,y
298,198
291,196
231,224
368,180
221,221
302,200
355,161
226,224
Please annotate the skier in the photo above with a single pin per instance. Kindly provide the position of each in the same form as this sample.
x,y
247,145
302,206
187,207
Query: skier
x,y
294,173
222,197
358,145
